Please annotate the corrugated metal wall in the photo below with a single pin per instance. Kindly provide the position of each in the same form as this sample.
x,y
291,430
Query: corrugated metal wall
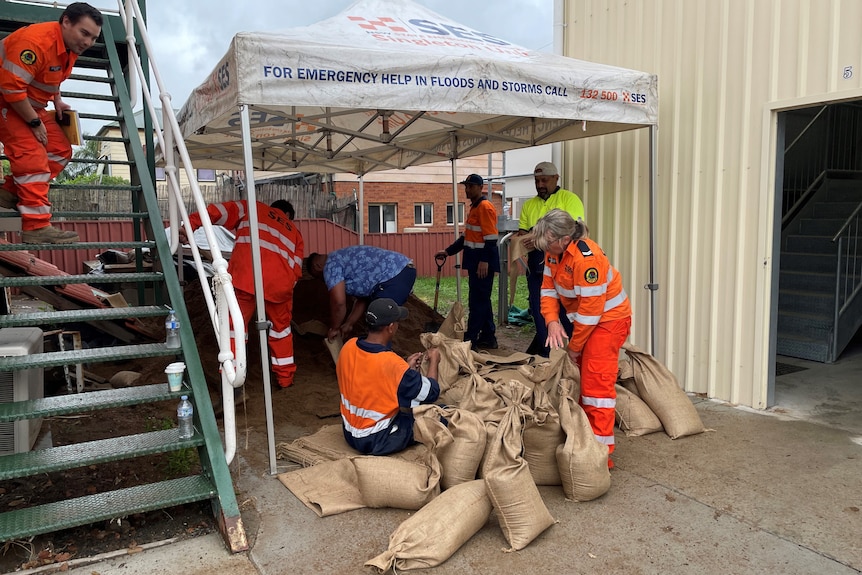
x,y
724,69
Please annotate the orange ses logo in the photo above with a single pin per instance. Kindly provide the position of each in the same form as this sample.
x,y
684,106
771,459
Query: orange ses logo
x,y
591,275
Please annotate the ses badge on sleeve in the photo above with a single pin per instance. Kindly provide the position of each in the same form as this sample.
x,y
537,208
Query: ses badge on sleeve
x,y
28,57
591,275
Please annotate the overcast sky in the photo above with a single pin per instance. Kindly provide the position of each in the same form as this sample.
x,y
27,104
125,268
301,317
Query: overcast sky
x,y
190,36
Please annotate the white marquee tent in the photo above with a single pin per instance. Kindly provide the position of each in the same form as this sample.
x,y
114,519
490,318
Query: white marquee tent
x,y
388,84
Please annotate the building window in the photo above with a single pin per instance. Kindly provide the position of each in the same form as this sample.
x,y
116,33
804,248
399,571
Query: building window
x,y
160,175
423,214
449,219
206,175
381,218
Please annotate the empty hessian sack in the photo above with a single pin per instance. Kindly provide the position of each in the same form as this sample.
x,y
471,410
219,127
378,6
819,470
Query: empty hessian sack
x,y
658,387
432,534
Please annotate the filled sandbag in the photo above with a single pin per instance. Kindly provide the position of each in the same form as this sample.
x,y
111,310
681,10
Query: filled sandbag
x,y
455,355
625,372
431,535
521,511
392,482
582,460
479,397
458,445
542,435
454,325
658,387
633,416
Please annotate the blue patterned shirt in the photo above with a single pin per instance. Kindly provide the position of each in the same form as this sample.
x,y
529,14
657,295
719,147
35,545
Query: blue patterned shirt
x,y
361,268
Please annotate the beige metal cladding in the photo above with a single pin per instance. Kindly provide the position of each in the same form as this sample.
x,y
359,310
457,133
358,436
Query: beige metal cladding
x,y
725,69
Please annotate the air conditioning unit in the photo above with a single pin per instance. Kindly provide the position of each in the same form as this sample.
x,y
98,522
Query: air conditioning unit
x,y
20,385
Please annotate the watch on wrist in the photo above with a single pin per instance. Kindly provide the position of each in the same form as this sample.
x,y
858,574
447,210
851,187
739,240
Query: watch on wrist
x,y
35,122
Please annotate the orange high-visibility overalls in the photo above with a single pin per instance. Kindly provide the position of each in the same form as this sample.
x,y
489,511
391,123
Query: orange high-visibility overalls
x,y
281,251
592,293
33,63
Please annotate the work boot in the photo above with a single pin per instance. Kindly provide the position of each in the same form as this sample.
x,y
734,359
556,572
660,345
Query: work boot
x,y
49,235
8,200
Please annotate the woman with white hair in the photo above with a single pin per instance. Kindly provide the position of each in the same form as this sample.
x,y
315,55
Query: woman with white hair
x,y
579,276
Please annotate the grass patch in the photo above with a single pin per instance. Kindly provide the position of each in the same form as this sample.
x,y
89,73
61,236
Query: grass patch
x,y
424,290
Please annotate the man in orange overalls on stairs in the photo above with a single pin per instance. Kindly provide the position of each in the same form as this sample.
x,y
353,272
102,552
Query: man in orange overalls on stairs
x,y
33,62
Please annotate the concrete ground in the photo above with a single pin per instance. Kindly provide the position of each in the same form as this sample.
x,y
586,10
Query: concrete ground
x,y
761,492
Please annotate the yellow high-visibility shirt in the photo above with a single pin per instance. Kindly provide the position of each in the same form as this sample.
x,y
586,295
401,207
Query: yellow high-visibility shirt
x,y
536,207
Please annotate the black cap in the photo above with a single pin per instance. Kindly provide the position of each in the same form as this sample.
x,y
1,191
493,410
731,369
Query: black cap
x,y
474,179
384,311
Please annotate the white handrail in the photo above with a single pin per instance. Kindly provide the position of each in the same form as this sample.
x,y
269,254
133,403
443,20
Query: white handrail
x,y
225,307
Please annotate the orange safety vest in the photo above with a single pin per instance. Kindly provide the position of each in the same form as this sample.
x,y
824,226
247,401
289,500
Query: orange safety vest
x,y
588,286
33,63
369,388
281,247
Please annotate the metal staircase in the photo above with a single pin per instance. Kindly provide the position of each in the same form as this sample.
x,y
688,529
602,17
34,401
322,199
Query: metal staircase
x,y
819,307
107,64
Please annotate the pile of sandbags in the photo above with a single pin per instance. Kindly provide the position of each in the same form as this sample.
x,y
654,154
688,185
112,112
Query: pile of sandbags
x,y
650,399
504,426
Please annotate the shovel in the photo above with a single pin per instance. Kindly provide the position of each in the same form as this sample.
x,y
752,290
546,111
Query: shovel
x,y
432,326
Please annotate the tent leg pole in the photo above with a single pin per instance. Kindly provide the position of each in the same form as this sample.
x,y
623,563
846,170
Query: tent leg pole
x,y
262,325
359,212
455,227
652,286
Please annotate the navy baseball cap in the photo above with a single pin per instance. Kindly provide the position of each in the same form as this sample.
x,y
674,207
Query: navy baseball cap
x,y
384,311
474,179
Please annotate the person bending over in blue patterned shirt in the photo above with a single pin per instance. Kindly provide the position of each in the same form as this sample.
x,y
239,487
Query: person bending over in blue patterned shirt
x,y
364,272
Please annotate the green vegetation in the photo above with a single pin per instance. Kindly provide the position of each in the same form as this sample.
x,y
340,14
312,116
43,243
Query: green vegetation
x,y
179,463
424,290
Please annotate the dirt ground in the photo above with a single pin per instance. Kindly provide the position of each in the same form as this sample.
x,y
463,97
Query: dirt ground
x,y
299,410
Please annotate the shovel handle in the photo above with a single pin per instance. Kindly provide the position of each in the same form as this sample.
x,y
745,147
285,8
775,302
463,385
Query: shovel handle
x,y
440,259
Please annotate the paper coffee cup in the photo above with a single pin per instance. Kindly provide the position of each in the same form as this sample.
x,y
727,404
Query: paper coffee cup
x,y
175,372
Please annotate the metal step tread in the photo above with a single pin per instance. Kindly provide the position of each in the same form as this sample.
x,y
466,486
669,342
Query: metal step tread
x,y
98,354
89,96
78,246
72,315
827,317
98,215
90,78
93,452
76,214
800,254
88,401
16,281
800,293
801,339
103,187
103,506
103,117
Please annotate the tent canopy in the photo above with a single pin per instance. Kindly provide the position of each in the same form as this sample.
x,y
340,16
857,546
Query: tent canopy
x,y
389,84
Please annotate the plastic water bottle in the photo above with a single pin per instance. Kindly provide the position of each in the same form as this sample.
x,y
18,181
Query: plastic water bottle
x,y
184,416
172,329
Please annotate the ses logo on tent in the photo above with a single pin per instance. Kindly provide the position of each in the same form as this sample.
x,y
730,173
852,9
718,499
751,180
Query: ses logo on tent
x,y
386,26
